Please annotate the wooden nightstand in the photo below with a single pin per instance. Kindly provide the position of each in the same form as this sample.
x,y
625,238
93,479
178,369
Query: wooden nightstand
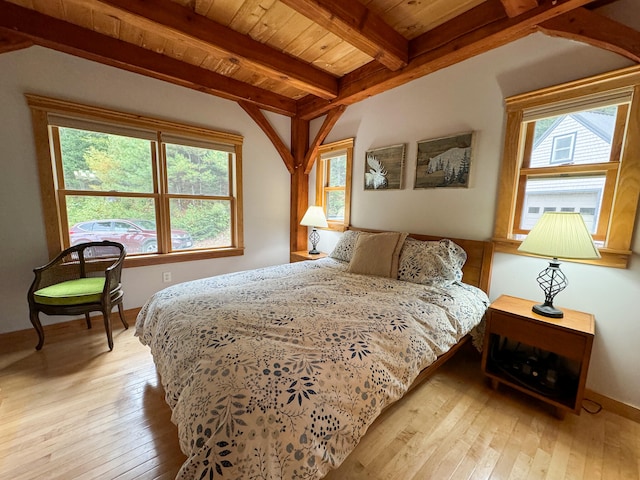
x,y
305,255
547,358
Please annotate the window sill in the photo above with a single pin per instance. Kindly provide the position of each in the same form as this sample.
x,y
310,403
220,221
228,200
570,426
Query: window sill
x,y
335,227
609,257
175,257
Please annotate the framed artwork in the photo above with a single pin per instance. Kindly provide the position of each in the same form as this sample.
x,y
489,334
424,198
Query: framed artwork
x,y
444,162
383,168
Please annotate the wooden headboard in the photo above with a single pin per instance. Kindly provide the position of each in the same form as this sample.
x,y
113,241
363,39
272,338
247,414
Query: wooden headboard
x,y
476,270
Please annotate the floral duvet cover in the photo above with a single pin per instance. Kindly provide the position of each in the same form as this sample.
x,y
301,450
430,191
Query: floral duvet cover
x,y
277,373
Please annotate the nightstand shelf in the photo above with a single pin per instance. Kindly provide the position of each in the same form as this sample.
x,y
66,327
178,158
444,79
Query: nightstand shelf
x,y
303,255
546,358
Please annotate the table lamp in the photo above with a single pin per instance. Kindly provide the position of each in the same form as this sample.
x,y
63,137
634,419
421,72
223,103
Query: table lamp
x,y
557,235
314,217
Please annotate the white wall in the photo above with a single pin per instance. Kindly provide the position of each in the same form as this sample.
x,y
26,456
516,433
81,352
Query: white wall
x,y
469,97
40,71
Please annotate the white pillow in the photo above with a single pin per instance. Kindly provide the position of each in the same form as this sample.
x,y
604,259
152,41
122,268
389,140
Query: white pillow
x,y
437,263
345,246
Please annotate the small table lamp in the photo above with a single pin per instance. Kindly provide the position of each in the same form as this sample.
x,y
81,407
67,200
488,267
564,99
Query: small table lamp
x,y
314,217
557,235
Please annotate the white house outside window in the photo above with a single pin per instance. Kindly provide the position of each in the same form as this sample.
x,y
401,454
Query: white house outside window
x,y
565,169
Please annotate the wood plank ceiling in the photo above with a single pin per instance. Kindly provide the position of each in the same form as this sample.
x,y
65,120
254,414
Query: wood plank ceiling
x,y
300,58
296,57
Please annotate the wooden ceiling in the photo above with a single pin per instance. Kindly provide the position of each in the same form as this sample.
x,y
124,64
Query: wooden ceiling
x,y
300,58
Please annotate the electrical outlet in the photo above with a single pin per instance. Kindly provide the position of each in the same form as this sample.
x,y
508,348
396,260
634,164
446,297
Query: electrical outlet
x,y
166,277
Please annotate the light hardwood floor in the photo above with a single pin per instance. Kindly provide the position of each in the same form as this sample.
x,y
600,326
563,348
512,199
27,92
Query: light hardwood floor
x,y
77,411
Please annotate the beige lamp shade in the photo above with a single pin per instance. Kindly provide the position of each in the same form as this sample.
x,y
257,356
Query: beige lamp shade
x,y
314,217
560,235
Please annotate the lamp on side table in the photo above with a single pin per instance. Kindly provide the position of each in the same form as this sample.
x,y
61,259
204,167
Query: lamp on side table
x,y
314,217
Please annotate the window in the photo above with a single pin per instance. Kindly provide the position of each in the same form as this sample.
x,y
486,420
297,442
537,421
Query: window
x,y
333,182
168,192
563,148
569,148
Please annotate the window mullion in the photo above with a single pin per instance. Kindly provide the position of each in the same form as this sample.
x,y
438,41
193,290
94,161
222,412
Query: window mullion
x,y
514,138
63,219
347,186
187,196
321,183
57,157
327,172
570,169
519,209
232,160
61,198
231,175
606,205
91,193
161,183
528,145
627,192
618,133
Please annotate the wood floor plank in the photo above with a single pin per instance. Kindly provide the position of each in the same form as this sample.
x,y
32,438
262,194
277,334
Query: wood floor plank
x,y
477,441
77,411
578,453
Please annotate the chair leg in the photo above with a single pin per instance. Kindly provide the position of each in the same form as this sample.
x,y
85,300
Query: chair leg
x,y
107,327
121,312
88,318
35,320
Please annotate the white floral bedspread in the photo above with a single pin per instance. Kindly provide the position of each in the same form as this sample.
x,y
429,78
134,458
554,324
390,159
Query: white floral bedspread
x,y
276,373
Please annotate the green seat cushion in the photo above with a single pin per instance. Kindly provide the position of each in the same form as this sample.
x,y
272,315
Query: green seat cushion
x,y
71,292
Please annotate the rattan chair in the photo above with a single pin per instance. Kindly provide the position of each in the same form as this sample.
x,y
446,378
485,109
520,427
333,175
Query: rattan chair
x,y
82,279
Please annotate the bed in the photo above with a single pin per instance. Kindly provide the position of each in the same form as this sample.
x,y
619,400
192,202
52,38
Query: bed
x,y
276,373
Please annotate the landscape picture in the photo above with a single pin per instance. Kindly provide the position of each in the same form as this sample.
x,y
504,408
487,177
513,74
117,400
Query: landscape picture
x,y
383,168
444,162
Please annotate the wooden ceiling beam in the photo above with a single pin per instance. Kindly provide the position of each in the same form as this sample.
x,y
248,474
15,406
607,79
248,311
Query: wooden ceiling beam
x,y
11,41
517,7
370,80
256,114
331,119
589,27
477,18
359,26
204,33
65,37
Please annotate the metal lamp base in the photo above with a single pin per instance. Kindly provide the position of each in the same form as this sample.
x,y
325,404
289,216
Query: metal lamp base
x,y
552,281
547,311
314,238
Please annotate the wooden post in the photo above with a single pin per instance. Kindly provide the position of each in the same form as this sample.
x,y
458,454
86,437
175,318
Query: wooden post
x,y
299,183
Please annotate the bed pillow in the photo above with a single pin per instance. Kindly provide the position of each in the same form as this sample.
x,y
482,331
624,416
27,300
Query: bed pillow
x,y
345,246
377,254
437,263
